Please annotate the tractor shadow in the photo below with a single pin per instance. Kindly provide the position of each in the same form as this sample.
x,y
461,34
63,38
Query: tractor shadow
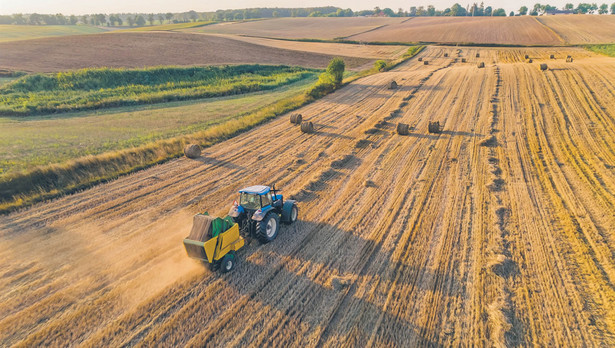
x,y
461,133
325,269
214,162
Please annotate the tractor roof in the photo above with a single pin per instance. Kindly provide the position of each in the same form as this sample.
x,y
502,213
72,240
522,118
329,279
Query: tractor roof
x,y
256,190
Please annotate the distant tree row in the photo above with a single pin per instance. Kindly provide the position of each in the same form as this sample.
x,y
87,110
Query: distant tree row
x,y
93,19
329,11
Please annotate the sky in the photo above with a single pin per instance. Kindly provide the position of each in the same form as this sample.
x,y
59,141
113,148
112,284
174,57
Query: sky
x,y
156,6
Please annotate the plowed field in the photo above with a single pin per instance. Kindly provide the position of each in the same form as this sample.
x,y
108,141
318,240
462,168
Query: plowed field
x,y
581,29
427,239
485,30
133,50
301,28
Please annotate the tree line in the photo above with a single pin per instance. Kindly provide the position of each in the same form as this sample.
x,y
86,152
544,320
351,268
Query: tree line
x,y
140,19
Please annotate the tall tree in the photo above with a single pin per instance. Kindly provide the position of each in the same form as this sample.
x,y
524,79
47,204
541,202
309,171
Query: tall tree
x,y
161,18
150,19
523,11
168,16
613,8
35,19
336,70
140,21
500,12
457,10
604,8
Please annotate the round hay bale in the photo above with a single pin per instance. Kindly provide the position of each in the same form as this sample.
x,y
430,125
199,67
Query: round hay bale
x,y
192,151
420,59
527,56
445,55
425,63
478,55
402,129
481,65
552,56
543,67
393,85
569,59
307,127
296,118
463,60
530,60
434,127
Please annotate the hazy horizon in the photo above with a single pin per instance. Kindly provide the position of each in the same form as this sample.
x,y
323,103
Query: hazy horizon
x,y
68,7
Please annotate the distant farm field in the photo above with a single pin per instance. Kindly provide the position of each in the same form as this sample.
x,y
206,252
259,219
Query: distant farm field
x,y
582,29
483,30
59,138
329,48
301,28
27,32
174,26
134,50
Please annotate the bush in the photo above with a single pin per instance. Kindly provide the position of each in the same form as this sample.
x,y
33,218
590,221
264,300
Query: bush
x,y
380,65
324,86
336,70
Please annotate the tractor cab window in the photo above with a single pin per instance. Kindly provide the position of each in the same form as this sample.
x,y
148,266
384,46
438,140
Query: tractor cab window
x,y
249,201
266,199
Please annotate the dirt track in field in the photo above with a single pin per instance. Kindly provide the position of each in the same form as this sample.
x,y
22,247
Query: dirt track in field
x,y
457,242
134,50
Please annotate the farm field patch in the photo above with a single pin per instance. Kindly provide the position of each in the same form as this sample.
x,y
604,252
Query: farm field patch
x,y
59,138
99,88
480,235
137,50
302,28
28,32
582,29
482,30
336,49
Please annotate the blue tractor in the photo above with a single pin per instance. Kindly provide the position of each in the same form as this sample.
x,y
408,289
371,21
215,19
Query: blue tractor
x,y
260,210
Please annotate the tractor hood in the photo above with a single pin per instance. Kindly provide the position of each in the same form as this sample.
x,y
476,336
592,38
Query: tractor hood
x,y
256,190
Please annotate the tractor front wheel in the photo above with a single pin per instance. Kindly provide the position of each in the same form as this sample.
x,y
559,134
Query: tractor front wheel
x,y
227,263
267,229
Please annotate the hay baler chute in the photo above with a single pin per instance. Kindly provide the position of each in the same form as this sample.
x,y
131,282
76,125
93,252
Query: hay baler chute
x,y
214,241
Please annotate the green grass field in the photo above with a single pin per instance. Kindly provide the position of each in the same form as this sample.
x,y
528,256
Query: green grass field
x,y
608,50
26,32
169,27
90,89
40,140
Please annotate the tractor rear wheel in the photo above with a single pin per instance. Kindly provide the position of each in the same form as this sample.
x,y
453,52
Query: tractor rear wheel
x,y
267,229
227,263
294,213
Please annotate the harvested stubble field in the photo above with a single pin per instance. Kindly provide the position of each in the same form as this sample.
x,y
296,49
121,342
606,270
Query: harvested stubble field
x,y
329,48
302,28
582,29
483,30
134,50
500,230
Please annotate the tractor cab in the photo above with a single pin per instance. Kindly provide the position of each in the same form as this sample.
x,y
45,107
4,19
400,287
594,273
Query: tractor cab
x,y
260,209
